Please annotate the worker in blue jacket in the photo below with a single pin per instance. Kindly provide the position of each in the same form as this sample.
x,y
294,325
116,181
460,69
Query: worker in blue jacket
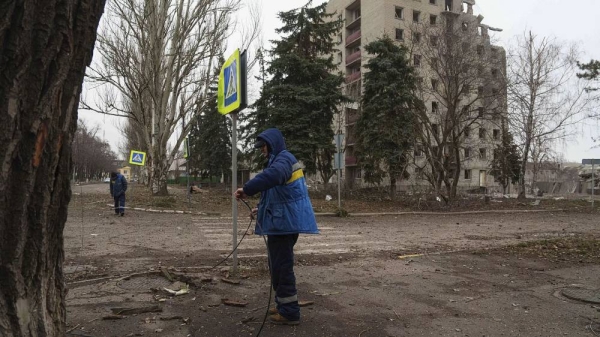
x,y
284,211
118,187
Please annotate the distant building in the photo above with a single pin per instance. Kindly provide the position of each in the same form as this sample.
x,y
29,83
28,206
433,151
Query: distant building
x,y
126,172
367,20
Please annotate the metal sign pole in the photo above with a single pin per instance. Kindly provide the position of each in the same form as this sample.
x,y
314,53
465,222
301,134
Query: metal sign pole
x,y
234,186
593,185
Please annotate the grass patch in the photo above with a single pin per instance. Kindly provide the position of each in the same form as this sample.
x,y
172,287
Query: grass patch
x,y
581,249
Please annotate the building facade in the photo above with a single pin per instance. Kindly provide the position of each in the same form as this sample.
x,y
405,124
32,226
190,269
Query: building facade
x,y
412,23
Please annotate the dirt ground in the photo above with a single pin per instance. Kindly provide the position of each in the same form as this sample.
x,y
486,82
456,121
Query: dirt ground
x,y
481,274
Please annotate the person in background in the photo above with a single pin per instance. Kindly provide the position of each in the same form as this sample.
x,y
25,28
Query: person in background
x,y
118,187
283,212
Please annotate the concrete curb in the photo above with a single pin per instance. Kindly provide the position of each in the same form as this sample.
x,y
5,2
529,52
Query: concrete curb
x,y
328,214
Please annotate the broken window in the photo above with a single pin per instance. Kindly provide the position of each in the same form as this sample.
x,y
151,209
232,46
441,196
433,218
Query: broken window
x,y
434,84
467,152
417,60
480,50
467,134
481,133
418,150
480,91
495,73
467,174
433,20
399,13
434,40
433,2
417,37
480,112
496,134
416,16
399,34
434,107
448,6
482,153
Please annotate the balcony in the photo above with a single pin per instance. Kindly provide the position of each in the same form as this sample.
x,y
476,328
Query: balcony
x,y
353,77
351,117
353,57
353,38
351,161
355,23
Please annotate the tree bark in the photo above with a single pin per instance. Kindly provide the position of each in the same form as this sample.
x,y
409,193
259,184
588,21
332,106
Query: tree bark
x,y
46,46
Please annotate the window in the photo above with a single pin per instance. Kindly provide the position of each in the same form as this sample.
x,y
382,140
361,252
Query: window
x,y
480,112
400,13
448,5
481,133
495,153
480,50
434,62
467,152
494,92
434,40
467,135
399,34
418,172
495,73
356,14
416,16
467,174
434,107
417,60
433,19
434,84
125,172
466,88
496,134
340,57
480,91
358,174
482,153
433,2
417,37
434,129
418,151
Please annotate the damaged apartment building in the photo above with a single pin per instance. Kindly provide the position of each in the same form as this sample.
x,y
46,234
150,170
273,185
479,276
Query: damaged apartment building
x,y
421,26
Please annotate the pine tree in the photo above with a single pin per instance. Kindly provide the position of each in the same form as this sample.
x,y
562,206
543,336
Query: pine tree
x,y
591,72
385,128
210,146
303,92
506,163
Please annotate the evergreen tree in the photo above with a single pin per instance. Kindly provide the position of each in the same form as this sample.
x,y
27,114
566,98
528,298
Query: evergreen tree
x,y
591,72
210,146
506,163
303,92
385,128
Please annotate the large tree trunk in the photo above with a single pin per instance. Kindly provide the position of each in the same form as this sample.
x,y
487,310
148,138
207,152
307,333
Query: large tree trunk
x,y
46,46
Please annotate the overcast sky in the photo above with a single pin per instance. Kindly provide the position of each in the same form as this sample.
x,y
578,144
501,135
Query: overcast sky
x,y
569,21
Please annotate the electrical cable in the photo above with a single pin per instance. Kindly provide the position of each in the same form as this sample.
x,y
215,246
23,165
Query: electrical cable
x,y
269,261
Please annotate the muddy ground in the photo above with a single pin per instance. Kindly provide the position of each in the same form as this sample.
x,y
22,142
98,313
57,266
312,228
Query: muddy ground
x,y
483,274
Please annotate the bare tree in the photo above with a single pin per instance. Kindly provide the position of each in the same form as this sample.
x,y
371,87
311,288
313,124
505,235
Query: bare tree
x,y
46,46
462,92
545,97
92,157
156,66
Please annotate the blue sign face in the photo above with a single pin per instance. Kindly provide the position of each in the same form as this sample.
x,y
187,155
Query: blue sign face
x,y
137,158
231,84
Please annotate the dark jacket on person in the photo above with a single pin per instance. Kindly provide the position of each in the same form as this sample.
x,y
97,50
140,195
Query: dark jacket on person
x,y
118,186
284,206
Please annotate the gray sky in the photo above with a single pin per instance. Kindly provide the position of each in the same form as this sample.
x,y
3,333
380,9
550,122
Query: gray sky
x,y
569,21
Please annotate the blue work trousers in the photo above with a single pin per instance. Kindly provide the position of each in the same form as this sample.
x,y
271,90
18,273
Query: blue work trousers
x,y
120,204
281,255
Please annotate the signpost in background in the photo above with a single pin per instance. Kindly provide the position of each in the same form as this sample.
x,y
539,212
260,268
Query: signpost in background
x,y
231,99
339,165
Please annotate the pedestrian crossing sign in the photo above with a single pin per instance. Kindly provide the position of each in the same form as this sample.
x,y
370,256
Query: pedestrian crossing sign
x,y
231,94
137,158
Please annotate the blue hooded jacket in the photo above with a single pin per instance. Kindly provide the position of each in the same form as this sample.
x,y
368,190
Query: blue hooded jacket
x,y
118,186
284,206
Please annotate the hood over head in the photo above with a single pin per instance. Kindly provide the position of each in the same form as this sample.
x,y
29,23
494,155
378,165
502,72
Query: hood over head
x,y
274,140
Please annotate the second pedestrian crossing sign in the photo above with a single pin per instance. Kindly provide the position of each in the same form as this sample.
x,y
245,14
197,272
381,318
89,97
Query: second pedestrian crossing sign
x,y
137,158
231,94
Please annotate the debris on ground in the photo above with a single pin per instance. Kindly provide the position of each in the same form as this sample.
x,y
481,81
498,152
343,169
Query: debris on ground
x,y
230,281
135,311
178,289
234,303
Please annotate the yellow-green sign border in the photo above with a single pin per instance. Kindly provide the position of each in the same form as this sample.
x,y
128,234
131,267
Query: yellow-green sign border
x,y
224,110
133,152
